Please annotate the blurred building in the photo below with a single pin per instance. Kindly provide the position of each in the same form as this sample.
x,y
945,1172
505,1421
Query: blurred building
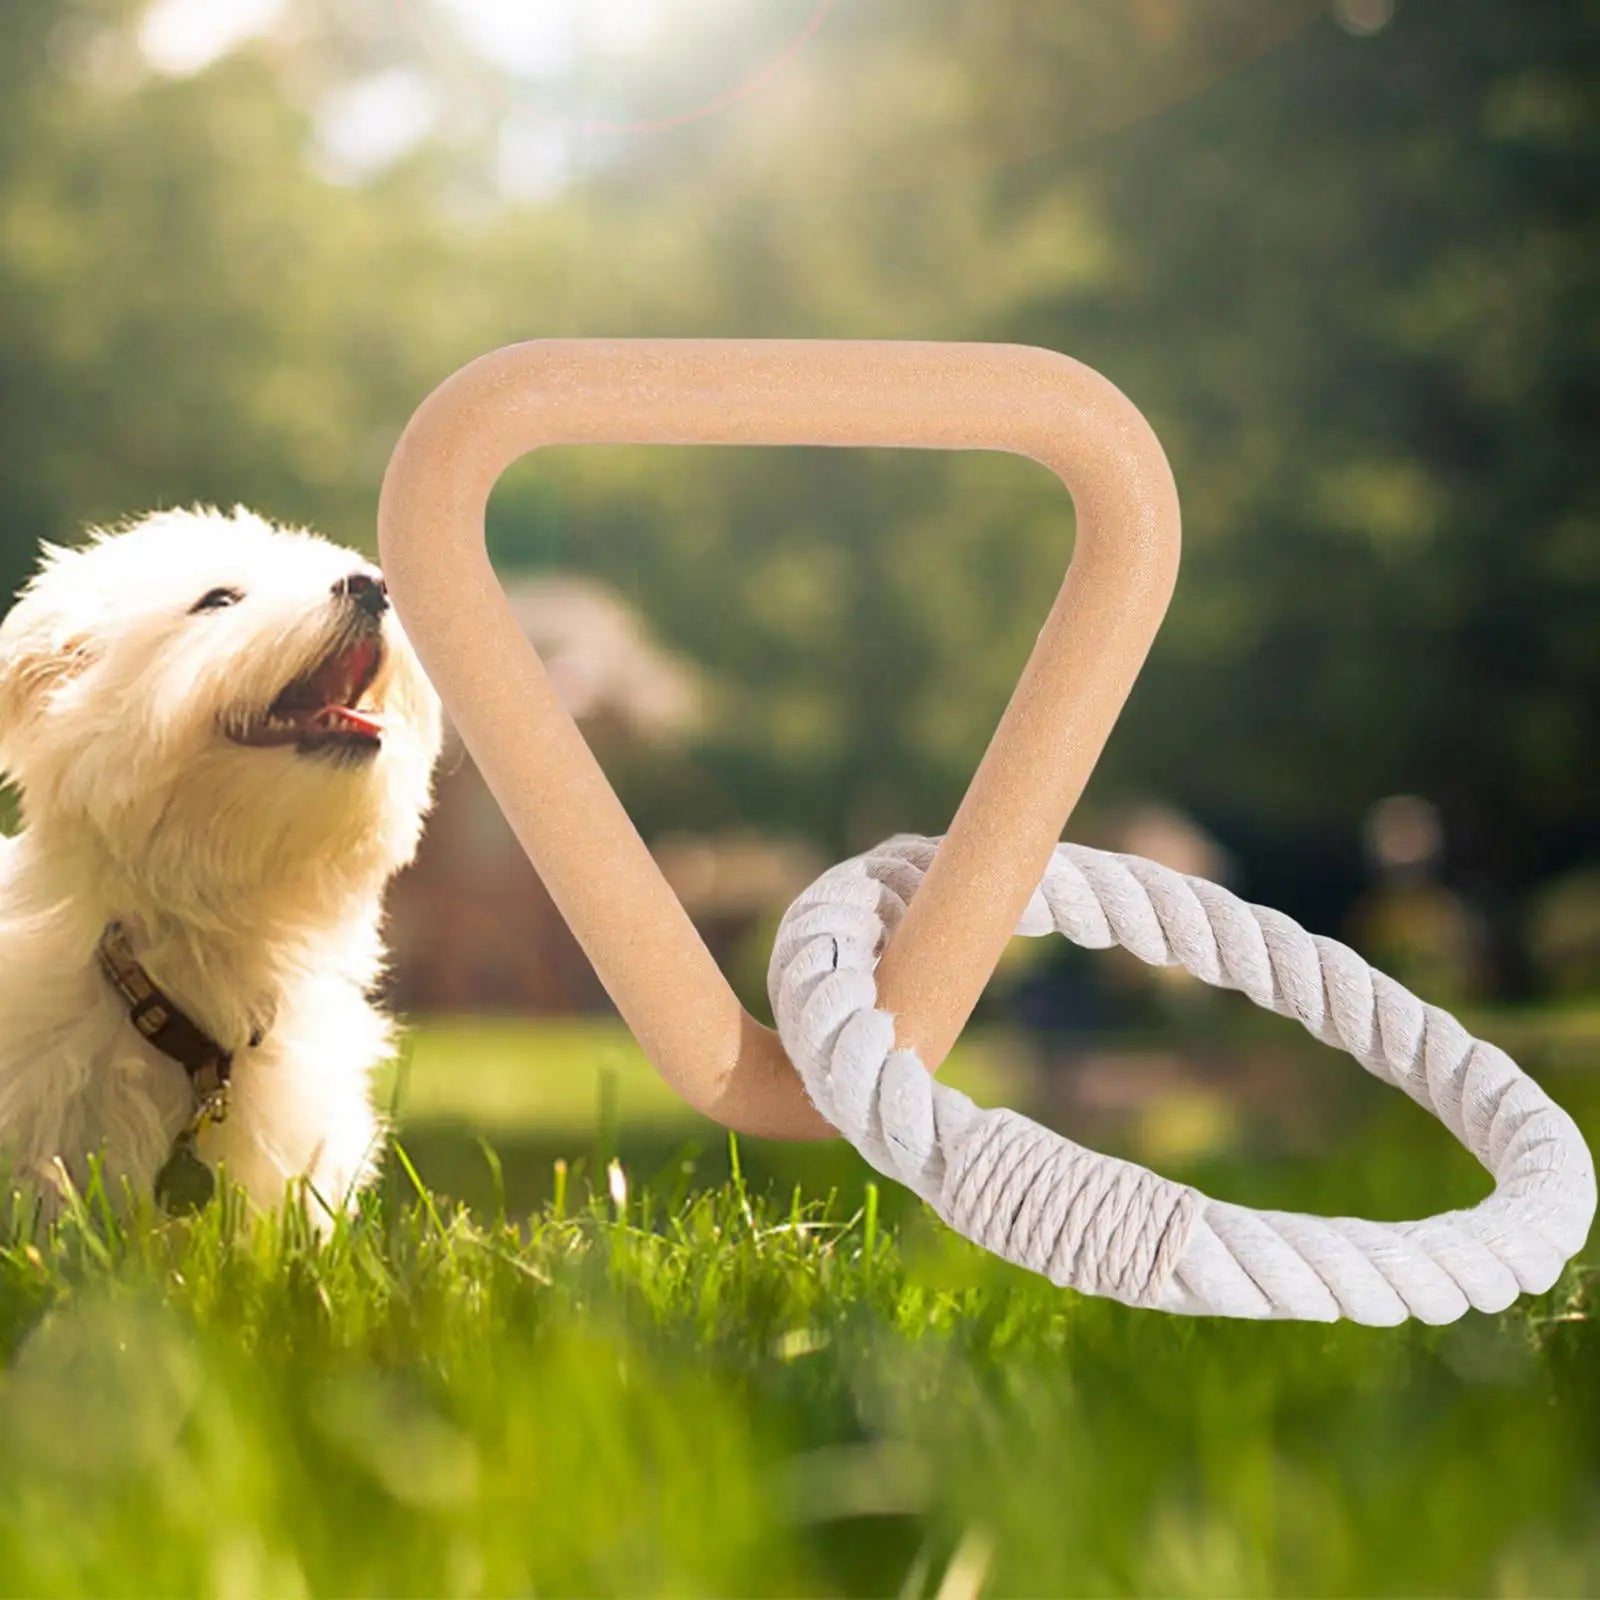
x,y
470,925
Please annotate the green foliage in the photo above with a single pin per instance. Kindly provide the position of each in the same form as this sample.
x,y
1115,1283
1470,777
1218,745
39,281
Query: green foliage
x,y
1349,277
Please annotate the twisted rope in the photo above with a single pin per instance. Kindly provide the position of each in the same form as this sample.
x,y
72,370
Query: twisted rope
x,y
1110,1227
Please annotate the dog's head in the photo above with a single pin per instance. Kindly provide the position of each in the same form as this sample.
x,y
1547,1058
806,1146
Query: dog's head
x,y
221,702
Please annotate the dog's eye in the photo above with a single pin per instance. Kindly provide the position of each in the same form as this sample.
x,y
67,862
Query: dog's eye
x,y
216,599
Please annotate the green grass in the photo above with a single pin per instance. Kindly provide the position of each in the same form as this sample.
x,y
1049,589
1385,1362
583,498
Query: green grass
x,y
718,1385
499,1075
581,1090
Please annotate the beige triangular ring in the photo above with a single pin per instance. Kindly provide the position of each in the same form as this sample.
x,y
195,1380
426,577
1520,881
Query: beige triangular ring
x,y
1015,398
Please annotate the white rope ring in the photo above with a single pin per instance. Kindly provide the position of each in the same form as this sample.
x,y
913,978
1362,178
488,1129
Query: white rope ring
x,y
1109,1227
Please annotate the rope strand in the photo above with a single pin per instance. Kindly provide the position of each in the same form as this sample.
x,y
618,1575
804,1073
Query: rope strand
x,y
1110,1227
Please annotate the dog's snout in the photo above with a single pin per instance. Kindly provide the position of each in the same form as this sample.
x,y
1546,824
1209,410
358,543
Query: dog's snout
x,y
366,590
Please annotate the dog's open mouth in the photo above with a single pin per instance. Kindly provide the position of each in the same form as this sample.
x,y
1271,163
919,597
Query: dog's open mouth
x,y
322,709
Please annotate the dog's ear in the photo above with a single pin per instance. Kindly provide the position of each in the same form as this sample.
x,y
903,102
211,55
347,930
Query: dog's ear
x,y
40,647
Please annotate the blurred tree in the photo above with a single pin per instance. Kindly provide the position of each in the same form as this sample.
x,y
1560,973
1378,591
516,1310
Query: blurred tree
x,y
1345,260
1358,297
191,312
1352,282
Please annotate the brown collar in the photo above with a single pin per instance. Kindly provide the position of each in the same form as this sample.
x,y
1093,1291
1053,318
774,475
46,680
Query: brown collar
x,y
165,1024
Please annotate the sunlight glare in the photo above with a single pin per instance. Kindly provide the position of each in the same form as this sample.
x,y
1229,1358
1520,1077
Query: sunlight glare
x,y
367,125
548,38
182,37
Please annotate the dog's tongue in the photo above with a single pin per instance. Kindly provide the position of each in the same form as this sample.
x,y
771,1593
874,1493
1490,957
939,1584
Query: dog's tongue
x,y
346,719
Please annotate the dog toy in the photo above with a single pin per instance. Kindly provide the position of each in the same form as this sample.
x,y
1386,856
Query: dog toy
x,y
878,965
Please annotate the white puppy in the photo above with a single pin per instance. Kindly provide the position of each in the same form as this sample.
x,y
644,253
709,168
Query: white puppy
x,y
223,746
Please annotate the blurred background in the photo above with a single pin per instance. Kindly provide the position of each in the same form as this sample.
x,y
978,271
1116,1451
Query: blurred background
x,y
1344,255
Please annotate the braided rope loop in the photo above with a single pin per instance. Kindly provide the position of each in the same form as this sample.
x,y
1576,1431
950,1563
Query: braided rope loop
x,y
1110,1227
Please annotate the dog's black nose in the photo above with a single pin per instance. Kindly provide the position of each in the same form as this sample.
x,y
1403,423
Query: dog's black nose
x,y
367,590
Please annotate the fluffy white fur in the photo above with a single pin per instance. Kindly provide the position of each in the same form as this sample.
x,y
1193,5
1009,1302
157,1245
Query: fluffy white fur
x,y
249,878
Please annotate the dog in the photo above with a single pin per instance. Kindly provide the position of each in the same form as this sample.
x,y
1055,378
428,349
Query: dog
x,y
223,747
